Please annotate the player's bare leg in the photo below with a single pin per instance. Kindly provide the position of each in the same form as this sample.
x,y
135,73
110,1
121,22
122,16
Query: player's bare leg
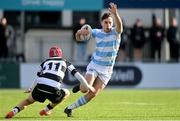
x,y
90,80
98,85
47,110
20,106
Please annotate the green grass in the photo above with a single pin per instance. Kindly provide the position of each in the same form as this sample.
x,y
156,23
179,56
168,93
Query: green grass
x,y
111,104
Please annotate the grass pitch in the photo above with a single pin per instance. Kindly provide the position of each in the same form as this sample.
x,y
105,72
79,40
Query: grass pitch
x,y
110,105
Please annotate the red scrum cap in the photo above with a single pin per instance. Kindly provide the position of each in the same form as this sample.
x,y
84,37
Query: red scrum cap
x,y
55,52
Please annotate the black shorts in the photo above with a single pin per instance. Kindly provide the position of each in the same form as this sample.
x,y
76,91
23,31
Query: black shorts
x,y
42,92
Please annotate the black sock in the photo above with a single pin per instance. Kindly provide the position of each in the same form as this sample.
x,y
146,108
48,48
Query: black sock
x,y
49,107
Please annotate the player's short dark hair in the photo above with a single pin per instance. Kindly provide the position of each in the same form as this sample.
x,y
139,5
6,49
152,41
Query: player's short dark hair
x,y
105,16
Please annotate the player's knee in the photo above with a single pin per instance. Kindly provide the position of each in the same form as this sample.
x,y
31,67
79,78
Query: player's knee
x,y
83,89
66,93
62,94
92,94
29,101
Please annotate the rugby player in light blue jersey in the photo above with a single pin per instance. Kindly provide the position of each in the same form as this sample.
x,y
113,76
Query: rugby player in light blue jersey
x,y
100,69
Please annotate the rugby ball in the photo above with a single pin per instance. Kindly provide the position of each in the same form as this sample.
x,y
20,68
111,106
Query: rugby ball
x,y
88,36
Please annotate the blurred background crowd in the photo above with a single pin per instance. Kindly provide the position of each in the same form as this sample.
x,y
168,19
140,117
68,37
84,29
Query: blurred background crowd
x,y
150,35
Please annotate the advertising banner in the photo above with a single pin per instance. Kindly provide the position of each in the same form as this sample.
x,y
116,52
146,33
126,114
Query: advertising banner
x,y
131,75
51,5
144,3
122,76
9,75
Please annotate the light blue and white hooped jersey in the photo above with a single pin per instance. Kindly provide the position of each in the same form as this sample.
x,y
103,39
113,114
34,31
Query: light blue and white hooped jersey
x,y
107,46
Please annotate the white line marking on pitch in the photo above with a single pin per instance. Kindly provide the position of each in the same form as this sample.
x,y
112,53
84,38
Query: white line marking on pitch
x,y
141,103
89,120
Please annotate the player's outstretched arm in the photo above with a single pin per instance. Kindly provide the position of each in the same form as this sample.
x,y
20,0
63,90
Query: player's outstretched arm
x,y
34,82
118,21
82,80
31,87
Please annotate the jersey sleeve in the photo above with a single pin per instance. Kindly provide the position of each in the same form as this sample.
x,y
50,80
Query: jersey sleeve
x,y
94,31
71,68
78,76
40,70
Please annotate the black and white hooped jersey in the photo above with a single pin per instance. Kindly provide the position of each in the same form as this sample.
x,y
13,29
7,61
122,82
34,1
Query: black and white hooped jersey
x,y
55,68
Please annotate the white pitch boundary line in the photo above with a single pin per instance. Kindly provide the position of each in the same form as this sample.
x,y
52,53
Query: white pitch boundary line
x,y
141,103
88,120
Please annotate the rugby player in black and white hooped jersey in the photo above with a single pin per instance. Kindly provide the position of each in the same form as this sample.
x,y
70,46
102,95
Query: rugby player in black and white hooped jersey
x,y
48,84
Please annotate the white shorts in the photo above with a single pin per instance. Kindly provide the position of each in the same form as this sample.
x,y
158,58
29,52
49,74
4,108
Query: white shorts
x,y
103,72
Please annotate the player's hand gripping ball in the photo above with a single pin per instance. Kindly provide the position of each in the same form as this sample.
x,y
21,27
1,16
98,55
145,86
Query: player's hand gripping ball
x,y
86,37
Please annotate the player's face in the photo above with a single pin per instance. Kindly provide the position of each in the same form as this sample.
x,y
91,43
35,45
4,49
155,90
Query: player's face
x,y
107,24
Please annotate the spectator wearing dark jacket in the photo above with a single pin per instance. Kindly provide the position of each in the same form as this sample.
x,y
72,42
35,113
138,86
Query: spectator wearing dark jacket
x,y
124,45
138,39
3,39
81,46
157,37
172,37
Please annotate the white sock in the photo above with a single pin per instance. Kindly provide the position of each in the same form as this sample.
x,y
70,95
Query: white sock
x,y
80,102
15,110
46,109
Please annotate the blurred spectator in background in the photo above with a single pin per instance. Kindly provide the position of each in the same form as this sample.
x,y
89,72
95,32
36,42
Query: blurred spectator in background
x,y
138,39
157,37
123,48
81,46
3,39
173,39
11,42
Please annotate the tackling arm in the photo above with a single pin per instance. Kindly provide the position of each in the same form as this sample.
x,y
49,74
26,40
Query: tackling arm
x,y
34,82
31,87
78,76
